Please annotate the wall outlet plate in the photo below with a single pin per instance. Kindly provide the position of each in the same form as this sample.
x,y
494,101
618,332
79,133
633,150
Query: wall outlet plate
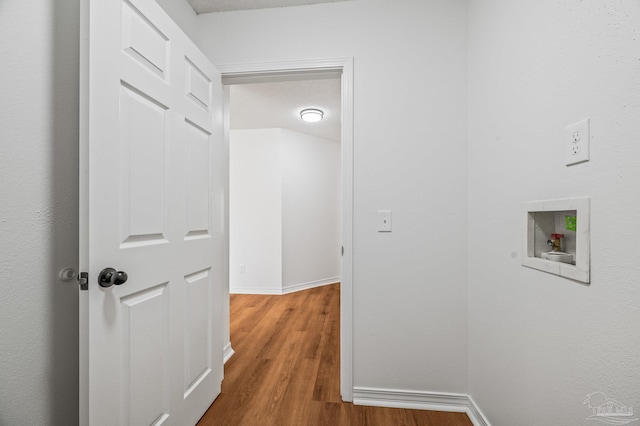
x,y
577,142
384,220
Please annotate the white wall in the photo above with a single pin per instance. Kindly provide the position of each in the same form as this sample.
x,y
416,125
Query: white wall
x,y
311,192
38,211
182,14
539,344
284,211
255,211
410,62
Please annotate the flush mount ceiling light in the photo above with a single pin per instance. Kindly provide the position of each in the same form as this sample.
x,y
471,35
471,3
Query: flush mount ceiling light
x,y
311,115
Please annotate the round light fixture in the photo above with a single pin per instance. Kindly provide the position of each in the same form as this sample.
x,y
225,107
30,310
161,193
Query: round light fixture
x,y
311,115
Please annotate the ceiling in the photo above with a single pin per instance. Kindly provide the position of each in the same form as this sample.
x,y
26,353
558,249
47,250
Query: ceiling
x,y
208,6
278,104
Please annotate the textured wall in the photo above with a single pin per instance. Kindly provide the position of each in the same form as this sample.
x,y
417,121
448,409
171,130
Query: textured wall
x,y
539,344
38,211
410,76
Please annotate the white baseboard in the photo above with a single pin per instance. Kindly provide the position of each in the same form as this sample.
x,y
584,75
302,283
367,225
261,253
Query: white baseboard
x,y
435,401
284,290
311,284
228,353
255,290
476,416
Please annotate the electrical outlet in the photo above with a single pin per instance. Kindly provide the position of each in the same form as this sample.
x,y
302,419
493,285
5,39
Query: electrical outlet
x,y
577,143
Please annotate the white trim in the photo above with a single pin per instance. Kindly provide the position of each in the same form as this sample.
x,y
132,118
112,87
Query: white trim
x,y
420,400
281,71
274,291
475,415
237,73
228,353
284,290
311,284
346,287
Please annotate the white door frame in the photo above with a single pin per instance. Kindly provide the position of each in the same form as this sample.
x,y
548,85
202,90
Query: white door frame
x,y
291,70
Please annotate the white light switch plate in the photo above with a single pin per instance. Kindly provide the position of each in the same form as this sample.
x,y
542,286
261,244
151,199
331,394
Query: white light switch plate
x,y
384,220
577,143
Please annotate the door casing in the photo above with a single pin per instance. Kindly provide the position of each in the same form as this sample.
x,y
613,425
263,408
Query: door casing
x,y
309,69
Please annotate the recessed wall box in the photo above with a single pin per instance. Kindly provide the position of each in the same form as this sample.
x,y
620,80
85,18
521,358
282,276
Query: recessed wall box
x,y
556,237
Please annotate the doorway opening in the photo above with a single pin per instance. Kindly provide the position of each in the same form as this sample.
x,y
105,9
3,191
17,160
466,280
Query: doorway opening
x,y
284,186
300,71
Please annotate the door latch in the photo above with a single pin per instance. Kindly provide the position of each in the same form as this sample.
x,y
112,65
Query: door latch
x,y
83,280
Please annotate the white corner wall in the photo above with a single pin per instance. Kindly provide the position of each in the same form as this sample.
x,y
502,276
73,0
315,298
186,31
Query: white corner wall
x,y
255,211
39,44
539,344
410,79
311,194
284,211
182,14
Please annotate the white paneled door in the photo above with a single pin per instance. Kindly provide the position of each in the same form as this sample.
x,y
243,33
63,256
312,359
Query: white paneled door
x,y
152,194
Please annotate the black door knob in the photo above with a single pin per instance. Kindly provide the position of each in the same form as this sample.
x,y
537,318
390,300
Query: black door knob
x,y
109,277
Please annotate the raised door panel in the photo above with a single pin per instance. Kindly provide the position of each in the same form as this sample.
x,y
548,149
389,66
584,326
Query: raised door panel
x,y
197,85
143,203
144,42
197,332
198,178
145,356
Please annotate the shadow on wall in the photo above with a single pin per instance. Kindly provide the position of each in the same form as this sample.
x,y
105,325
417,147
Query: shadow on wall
x,y
63,239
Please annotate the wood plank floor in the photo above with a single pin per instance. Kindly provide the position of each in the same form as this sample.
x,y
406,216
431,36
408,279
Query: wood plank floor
x,y
286,369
